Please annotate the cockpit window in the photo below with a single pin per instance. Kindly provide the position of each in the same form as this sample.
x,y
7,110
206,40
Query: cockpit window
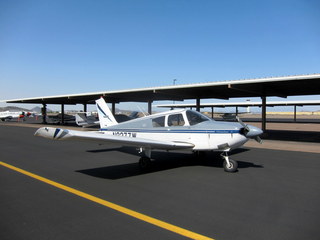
x,y
175,120
158,122
195,118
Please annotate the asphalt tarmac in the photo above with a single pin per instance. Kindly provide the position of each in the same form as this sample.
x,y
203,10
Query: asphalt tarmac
x,y
274,195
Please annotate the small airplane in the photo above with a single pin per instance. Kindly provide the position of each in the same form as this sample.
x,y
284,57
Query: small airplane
x,y
232,116
57,119
85,121
172,130
7,115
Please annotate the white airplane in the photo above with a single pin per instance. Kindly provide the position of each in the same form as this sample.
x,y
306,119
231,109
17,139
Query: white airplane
x,y
86,121
7,115
172,130
231,116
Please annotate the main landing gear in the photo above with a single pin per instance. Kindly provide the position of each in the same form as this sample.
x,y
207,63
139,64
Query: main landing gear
x,y
144,163
145,160
229,165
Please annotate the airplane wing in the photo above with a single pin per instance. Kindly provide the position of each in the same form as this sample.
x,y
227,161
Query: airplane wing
x,y
100,137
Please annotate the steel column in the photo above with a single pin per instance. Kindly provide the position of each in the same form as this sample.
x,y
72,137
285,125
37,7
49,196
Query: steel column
x,y
264,113
85,108
150,107
62,113
198,104
44,113
113,108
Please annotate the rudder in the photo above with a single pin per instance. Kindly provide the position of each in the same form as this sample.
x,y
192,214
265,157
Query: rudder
x,y
106,117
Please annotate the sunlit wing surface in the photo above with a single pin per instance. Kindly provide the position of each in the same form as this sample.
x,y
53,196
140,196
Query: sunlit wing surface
x,y
64,134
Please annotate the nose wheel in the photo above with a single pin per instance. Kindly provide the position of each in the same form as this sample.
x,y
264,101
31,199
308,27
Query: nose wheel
x,y
229,165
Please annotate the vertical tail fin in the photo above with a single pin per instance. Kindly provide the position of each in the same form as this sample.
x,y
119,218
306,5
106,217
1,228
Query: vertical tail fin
x,y
106,117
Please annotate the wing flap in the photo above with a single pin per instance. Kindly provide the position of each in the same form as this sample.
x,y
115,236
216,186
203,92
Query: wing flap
x,y
98,136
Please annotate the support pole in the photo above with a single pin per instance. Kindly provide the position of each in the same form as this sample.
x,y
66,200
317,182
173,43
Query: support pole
x,y
62,113
264,113
295,113
44,113
85,108
150,107
198,104
212,112
237,111
113,108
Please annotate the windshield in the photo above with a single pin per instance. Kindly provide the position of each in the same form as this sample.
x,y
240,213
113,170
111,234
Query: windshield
x,y
195,117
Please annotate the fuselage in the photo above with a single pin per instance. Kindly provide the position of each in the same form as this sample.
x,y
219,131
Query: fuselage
x,y
9,115
184,126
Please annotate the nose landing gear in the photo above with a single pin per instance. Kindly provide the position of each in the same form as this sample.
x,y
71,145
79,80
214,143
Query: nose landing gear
x,y
229,165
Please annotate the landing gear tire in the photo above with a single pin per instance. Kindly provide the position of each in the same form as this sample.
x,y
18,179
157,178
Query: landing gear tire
x,y
144,163
233,166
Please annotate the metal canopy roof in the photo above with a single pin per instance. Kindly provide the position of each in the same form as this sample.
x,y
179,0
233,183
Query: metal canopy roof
x,y
243,104
264,87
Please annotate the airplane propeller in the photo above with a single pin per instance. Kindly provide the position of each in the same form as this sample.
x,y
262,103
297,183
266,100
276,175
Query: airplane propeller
x,y
258,139
246,130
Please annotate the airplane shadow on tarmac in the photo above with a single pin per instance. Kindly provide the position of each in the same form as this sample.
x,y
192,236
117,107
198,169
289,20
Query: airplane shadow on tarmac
x,y
161,161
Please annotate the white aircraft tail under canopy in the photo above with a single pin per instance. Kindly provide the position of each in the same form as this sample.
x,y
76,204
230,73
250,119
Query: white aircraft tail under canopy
x,y
83,121
106,117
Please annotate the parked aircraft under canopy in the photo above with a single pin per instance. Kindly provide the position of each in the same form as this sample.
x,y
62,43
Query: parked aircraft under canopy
x,y
244,104
263,87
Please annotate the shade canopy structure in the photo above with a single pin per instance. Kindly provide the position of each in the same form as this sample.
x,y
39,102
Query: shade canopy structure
x,y
263,87
243,104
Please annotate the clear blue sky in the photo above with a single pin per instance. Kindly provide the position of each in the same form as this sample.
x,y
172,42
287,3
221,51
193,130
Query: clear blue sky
x,y
62,47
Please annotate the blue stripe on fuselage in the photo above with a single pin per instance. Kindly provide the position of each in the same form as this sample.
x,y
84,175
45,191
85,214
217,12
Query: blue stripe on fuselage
x,y
170,131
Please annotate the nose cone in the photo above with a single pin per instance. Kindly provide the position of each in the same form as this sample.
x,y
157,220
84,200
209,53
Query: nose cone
x,y
253,131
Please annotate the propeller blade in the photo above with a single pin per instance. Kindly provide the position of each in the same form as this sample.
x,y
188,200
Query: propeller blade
x,y
240,121
247,130
258,139
243,124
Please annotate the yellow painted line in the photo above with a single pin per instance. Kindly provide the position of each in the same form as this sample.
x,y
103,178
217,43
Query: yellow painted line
x,y
113,206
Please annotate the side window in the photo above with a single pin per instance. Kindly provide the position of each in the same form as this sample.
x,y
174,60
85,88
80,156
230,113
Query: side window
x,y
158,122
175,120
